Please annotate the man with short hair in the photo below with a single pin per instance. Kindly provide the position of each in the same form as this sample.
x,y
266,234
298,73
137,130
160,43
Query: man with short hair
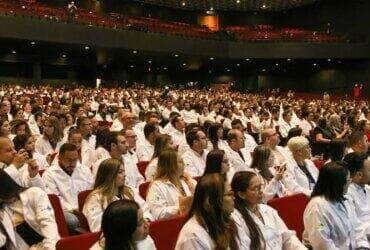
x,y
270,138
195,157
178,134
146,149
67,179
239,158
125,120
358,192
285,124
250,143
358,143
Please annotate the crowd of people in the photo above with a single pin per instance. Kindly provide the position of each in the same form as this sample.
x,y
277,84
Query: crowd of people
x,y
216,157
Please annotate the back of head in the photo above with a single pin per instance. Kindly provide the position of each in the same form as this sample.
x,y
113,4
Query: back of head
x,y
67,147
297,143
355,162
167,164
106,176
355,137
119,222
331,182
214,162
149,128
192,136
336,150
161,142
20,141
261,156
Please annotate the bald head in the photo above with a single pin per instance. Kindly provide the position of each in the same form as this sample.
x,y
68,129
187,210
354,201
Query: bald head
x,y
270,137
7,151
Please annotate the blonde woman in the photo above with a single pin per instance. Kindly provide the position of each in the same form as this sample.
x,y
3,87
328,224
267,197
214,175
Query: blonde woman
x,y
109,186
162,142
172,191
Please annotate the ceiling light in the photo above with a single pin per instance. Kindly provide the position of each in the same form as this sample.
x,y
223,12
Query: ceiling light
x,y
276,64
315,64
33,43
87,47
165,68
184,64
183,3
238,64
237,1
264,6
210,71
211,9
329,60
14,52
211,58
149,61
132,66
135,51
64,56
288,59
247,59
176,55
90,12
263,70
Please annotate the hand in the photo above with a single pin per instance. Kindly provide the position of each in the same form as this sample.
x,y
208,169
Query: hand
x,y
280,172
346,127
185,204
20,158
33,168
50,157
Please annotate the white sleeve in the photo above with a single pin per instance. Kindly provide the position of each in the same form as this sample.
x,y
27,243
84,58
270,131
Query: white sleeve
x,y
190,168
158,205
52,188
93,212
191,243
292,186
271,189
143,205
46,220
317,229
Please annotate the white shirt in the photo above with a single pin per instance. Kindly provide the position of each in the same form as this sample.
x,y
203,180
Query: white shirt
x,y
296,181
163,198
249,142
146,244
273,229
332,225
306,127
190,116
179,139
116,125
38,213
236,162
166,112
195,163
284,128
203,118
133,178
67,187
151,169
95,205
43,146
360,199
145,151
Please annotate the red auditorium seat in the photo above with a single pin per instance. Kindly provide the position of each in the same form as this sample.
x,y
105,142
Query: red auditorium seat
x,y
142,165
291,209
197,178
59,215
81,201
165,232
41,172
79,242
143,189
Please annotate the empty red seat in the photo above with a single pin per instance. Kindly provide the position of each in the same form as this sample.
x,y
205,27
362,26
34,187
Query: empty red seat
x,y
291,209
142,165
165,232
143,189
79,242
319,164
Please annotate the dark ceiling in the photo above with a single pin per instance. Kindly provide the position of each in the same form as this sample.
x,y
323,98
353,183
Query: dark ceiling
x,y
233,5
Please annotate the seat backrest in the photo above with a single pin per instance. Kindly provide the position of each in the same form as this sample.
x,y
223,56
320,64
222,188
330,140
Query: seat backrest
x,y
82,198
142,165
143,189
165,232
79,242
291,209
59,215
319,164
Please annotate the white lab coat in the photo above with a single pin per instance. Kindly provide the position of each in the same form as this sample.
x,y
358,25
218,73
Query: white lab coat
x,y
116,125
145,151
360,198
43,147
189,116
151,169
99,155
22,178
194,236
67,187
146,244
236,162
179,139
249,142
195,164
332,225
94,208
273,228
38,213
295,179
163,198
284,128
133,178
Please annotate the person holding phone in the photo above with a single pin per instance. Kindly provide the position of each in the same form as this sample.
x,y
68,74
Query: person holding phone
x,y
263,165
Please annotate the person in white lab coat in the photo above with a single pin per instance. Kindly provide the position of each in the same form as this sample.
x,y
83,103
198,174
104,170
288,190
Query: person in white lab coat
x,y
109,186
26,217
217,162
249,141
178,134
210,225
215,137
285,124
263,165
49,143
146,148
162,142
239,158
67,179
301,174
359,189
259,225
330,220
195,157
171,192
124,227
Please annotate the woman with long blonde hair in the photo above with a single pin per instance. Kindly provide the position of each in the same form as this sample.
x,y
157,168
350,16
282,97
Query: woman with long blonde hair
x,y
171,192
109,186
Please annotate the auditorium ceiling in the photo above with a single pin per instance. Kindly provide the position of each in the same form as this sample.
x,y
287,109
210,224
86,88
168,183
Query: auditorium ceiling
x,y
232,5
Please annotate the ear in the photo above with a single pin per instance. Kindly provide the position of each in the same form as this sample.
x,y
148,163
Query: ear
x,y
241,195
359,175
